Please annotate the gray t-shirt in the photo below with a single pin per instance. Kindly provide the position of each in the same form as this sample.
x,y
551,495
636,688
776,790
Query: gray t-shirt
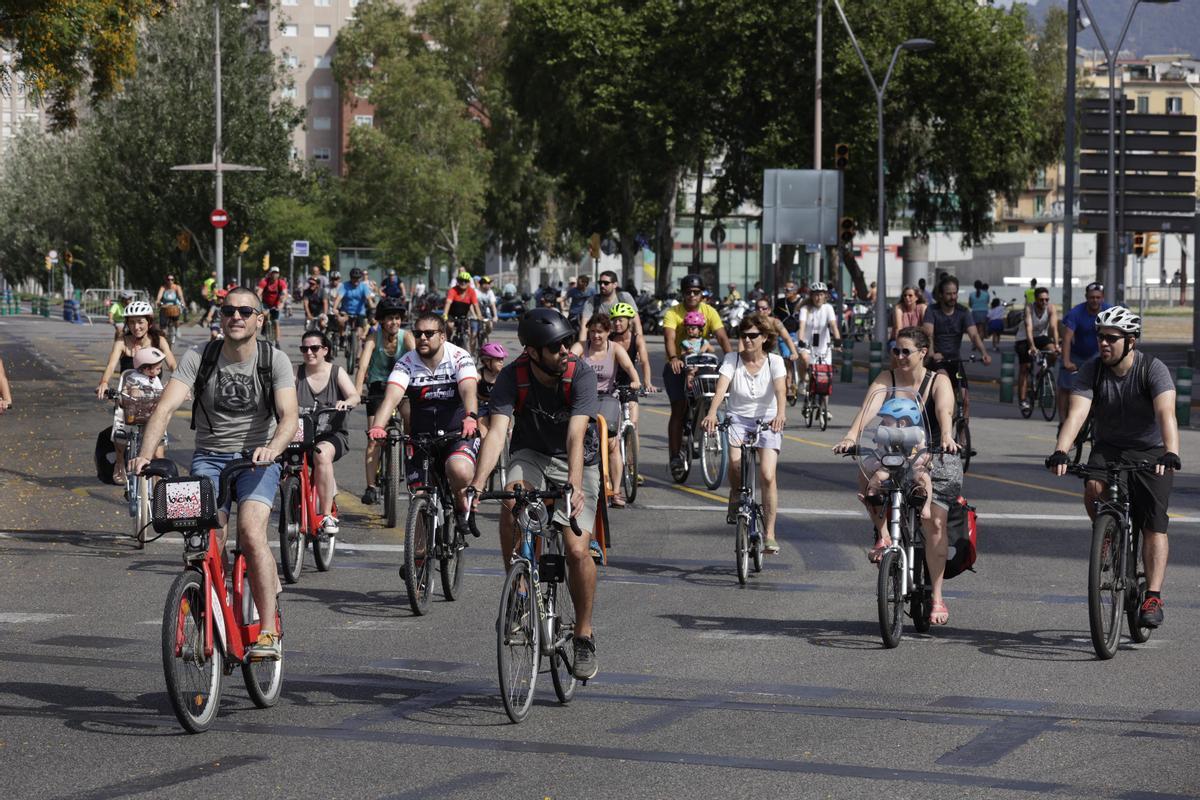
x,y
948,329
233,401
598,305
542,424
1123,410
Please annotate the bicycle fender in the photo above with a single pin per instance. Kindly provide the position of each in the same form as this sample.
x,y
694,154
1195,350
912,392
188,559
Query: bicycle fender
x,y
216,612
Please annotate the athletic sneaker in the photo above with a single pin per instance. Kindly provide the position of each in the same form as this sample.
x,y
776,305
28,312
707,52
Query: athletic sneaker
x,y
329,525
594,549
1151,615
1026,405
370,496
676,463
266,647
585,658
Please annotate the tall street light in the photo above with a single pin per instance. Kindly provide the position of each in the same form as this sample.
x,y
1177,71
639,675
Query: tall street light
x,y
915,45
218,166
1111,277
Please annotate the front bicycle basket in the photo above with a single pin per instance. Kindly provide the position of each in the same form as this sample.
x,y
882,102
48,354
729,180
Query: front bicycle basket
x,y
137,397
184,504
305,430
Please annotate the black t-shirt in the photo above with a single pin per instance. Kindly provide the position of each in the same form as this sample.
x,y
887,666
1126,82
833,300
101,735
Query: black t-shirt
x,y
785,308
542,424
948,329
312,300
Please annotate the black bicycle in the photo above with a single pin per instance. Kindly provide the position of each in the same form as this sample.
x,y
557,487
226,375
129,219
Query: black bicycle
x,y
1041,383
748,540
712,448
391,469
434,532
961,423
1116,578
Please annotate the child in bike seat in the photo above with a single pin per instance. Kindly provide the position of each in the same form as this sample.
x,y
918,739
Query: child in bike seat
x,y
900,432
142,381
693,343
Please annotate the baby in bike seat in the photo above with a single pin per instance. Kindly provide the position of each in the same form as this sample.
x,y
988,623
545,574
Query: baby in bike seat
x,y
693,343
900,432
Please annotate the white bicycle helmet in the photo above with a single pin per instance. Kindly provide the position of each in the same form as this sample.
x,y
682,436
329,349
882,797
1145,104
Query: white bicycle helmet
x,y
819,286
1117,317
139,308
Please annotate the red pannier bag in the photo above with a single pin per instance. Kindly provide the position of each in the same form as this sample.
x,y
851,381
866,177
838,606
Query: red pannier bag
x,y
822,381
962,530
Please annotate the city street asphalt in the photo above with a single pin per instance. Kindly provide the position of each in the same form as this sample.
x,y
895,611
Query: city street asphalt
x,y
706,689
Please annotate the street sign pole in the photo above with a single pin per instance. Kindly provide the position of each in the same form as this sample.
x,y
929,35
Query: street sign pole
x,y
1069,193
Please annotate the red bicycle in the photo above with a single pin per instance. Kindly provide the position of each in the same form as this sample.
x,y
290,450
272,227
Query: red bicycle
x,y
299,504
210,620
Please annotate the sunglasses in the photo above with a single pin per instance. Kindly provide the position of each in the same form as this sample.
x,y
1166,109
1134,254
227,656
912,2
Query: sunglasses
x,y
1110,338
751,335
560,345
311,348
426,334
903,351
246,312
605,283
695,291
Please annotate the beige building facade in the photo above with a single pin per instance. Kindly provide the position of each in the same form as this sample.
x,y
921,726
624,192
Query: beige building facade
x,y
17,111
302,35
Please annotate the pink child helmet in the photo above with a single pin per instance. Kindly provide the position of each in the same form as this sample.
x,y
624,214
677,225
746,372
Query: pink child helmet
x,y
494,350
147,355
694,318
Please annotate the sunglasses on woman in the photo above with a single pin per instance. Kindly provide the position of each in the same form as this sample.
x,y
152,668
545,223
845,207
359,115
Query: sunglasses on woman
x,y
311,348
246,312
751,335
903,351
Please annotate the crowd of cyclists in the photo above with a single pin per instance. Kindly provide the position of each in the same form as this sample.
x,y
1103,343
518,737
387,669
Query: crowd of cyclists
x,y
542,407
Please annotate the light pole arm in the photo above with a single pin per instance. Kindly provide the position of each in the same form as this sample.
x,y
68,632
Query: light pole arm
x,y
891,66
857,49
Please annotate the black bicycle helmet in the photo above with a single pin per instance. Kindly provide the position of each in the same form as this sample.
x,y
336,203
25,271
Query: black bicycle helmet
x,y
356,274
387,307
692,281
541,327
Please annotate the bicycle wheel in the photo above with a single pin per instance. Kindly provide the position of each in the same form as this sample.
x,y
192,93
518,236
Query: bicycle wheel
x,y
418,562
1047,396
193,680
1027,407
741,549
1106,592
824,412
756,543
920,601
1133,602
629,484
562,660
324,547
714,456
291,538
962,436
808,411
891,600
143,510
264,679
518,642
451,561
391,484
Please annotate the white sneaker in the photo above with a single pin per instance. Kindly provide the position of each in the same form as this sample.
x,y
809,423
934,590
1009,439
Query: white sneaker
x,y
329,525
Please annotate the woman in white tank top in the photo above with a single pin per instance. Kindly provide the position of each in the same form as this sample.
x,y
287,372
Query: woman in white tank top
x,y
1040,326
605,358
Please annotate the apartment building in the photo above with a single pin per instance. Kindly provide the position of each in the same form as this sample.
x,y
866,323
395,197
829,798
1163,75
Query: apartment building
x,y
16,111
302,34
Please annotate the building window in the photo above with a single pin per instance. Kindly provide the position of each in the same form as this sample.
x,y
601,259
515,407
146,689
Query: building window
x,y
321,3
363,119
322,92
288,93
1039,205
291,2
320,154
1175,105
322,123
1143,104
291,61
321,31
291,29
322,62
295,153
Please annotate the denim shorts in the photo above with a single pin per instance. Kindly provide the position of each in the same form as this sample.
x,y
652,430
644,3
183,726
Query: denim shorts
x,y
260,484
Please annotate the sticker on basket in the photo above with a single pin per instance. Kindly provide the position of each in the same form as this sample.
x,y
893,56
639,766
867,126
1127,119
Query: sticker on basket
x,y
299,437
183,499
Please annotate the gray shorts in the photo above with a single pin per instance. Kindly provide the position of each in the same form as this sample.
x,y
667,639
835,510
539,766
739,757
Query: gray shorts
x,y
610,409
946,475
534,468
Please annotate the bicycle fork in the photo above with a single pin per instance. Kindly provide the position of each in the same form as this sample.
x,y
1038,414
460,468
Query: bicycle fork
x,y
895,506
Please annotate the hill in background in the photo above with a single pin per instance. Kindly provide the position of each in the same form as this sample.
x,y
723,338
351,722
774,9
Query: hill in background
x,y
1156,29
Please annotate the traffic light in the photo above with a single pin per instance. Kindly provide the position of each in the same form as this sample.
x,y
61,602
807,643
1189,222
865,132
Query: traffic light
x,y
841,155
846,230
325,263
48,265
70,257
266,261
594,245
1139,244
245,245
183,240
1151,243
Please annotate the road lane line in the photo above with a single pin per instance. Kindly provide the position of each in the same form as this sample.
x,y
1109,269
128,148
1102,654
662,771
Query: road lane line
x,y
838,512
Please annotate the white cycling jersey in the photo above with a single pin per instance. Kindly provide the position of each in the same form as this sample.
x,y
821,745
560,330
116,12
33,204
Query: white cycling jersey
x,y
814,325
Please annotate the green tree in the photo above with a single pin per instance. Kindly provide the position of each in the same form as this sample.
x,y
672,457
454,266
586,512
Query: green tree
x,y
60,45
416,180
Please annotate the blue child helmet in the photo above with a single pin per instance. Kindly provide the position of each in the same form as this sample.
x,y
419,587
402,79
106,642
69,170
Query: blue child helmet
x,y
902,408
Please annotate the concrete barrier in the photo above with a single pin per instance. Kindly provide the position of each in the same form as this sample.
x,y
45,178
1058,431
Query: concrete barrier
x,y
1183,395
847,361
1007,375
876,362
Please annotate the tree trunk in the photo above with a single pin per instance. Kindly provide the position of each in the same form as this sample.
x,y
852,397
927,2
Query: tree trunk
x,y
664,239
856,274
628,244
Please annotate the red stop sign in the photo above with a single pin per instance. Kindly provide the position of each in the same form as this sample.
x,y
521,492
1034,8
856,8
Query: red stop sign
x,y
218,218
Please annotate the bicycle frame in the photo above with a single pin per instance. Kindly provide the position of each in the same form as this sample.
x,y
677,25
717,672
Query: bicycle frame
x,y
235,632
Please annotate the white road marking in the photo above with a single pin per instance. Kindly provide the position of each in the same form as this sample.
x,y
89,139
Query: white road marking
x,y
26,617
837,512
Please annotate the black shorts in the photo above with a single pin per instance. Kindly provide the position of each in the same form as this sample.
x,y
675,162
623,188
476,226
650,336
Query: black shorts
x,y
1023,355
1149,494
420,467
375,392
339,440
953,369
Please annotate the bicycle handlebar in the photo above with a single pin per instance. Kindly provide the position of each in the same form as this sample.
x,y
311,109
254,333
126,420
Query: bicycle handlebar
x,y
522,496
1096,473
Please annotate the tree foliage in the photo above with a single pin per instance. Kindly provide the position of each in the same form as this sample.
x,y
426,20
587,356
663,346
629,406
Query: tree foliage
x,y
60,45
140,214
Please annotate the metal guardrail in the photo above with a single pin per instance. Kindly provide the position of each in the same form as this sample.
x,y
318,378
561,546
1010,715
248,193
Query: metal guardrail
x,y
96,302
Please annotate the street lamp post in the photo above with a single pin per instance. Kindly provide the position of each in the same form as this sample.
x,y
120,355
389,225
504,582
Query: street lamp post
x,y
1110,55
915,45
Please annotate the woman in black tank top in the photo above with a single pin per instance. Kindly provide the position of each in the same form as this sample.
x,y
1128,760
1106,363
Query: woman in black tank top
x,y
909,372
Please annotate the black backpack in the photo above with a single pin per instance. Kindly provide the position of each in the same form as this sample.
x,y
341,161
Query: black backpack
x,y
208,365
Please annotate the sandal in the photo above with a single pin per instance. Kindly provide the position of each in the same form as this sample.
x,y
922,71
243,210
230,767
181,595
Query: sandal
x,y
772,547
617,500
938,613
875,554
